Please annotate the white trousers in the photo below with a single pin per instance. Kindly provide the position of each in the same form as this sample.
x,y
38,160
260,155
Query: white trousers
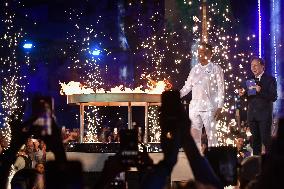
x,y
206,119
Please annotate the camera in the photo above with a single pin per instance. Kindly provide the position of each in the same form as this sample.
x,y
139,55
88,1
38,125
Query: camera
x,y
42,111
128,149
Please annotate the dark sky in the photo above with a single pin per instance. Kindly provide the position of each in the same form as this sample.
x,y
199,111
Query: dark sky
x,y
52,20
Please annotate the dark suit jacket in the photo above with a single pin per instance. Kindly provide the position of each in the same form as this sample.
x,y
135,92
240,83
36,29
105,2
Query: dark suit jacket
x,y
260,105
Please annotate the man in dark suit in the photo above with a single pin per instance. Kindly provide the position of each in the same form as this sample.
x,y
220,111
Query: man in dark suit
x,y
261,92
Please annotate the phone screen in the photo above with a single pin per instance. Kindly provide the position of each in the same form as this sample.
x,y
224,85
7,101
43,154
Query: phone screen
x,y
129,146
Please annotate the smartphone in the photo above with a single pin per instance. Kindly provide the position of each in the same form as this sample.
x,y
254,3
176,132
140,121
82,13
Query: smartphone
x,y
171,102
129,147
223,160
170,110
42,110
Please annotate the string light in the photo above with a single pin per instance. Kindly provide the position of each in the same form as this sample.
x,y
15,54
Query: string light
x,y
275,45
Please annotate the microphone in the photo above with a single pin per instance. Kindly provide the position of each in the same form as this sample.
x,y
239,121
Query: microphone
x,y
257,82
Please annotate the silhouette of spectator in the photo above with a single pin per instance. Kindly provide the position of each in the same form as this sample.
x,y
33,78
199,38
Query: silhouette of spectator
x,y
249,170
27,179
272,164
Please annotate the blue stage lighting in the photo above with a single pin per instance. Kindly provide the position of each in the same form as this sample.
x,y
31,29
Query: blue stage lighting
x,y
95,52
275,49
28,45
259,29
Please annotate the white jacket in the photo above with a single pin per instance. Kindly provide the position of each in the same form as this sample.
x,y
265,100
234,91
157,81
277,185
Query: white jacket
x,y
207,86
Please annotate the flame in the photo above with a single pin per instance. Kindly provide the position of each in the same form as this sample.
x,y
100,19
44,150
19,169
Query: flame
x,y
73,87
158,88
121,89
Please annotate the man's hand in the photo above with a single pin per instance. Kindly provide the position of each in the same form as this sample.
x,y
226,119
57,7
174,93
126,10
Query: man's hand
x,y
257,88
241,91
217,115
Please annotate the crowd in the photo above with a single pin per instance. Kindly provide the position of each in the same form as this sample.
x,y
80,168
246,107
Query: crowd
x,y
105,135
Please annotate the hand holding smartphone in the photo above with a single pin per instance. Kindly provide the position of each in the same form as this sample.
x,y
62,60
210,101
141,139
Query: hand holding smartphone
x,y
129,147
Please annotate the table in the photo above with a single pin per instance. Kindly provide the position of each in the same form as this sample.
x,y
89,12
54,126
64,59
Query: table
x,y
115,99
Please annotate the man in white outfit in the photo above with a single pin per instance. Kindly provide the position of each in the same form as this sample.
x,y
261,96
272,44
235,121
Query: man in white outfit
x,y
206,81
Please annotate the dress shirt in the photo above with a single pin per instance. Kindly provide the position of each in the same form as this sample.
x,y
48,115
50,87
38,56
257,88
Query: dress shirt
x,y
259,76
